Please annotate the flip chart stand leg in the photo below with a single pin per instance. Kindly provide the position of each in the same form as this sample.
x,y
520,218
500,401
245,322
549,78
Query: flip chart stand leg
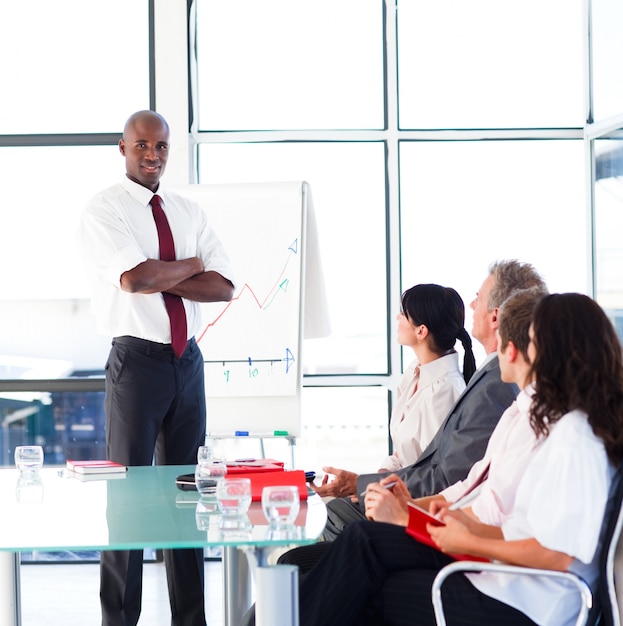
x,y
236,585
10,606
291,442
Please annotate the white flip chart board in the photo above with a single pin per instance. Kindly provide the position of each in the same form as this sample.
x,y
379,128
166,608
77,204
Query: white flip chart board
x,y
252,345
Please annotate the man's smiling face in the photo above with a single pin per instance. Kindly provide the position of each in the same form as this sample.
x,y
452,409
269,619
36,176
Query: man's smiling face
x,y
145,146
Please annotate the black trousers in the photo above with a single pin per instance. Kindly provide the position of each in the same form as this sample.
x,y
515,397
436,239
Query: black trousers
x,y
375,573
155,407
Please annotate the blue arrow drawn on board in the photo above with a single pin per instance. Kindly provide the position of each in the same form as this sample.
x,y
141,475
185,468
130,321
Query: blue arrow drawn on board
x,y
289,359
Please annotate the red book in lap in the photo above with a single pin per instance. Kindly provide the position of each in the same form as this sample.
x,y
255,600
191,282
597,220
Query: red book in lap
x,y
418,518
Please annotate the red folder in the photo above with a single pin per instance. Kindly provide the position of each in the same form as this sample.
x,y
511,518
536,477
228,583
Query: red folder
x,y
259,480
418,518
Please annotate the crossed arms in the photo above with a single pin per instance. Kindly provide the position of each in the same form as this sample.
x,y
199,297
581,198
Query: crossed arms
x,y
185,278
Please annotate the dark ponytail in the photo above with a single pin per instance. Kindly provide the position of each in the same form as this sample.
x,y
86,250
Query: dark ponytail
x,y
469,362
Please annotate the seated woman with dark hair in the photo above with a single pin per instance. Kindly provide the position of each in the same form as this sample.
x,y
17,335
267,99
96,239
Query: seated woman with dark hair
x,y
430,322
374,573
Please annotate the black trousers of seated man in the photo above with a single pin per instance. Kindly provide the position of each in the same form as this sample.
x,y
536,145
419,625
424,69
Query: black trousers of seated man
x,y
375,573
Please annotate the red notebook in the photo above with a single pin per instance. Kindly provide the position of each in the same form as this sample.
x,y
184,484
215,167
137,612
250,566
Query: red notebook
x,y
418,518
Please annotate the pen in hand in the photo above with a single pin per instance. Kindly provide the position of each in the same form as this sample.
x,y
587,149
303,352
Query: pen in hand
x,y
387,486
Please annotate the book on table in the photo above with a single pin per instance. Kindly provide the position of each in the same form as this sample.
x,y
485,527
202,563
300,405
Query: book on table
x,y
96,467
85,478
418,519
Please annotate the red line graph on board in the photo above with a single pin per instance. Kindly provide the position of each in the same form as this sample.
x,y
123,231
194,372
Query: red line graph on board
x,y
280,285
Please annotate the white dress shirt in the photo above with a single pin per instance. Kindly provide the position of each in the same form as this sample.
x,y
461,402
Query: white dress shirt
x,y
118,232
510,448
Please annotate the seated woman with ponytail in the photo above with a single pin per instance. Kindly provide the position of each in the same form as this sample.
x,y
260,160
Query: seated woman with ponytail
x,y
430,322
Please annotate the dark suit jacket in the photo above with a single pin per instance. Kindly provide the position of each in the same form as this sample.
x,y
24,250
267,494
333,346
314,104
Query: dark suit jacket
x,y
462,438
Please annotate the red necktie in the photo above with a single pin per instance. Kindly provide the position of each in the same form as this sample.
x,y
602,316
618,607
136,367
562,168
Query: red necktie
x,y
173,303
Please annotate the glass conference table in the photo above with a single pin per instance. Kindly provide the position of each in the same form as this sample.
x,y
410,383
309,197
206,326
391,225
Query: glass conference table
x,y
57,511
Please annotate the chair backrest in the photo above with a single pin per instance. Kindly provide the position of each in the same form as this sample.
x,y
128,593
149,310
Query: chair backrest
x,y
605,610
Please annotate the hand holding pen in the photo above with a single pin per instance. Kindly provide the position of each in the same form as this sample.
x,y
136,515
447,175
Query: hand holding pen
x,y
385,501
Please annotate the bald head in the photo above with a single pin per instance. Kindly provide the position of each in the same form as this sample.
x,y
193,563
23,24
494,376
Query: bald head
x,y
144,117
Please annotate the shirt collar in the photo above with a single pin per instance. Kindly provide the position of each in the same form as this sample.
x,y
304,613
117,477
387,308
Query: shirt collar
x,y
438,367
138,192
524,399
488,359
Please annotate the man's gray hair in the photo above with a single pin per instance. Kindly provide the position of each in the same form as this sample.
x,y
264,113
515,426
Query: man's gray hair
x,y
509,276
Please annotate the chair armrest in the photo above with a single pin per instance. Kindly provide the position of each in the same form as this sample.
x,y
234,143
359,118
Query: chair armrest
x,y
586,596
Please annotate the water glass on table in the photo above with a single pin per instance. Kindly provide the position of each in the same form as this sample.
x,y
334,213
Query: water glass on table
x,y
280,504
28,459
205,454
233,496
211,450
208,475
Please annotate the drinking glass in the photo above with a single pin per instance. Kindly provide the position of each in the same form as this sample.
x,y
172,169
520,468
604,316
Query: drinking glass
x,y
211,449
233,496
280,504
205,513
208,475
205,454
28,459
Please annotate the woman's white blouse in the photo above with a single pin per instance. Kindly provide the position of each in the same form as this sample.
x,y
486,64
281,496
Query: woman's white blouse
x,y
560,502
416,417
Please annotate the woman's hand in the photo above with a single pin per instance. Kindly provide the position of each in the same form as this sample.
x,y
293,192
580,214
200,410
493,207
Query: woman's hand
x,y
466,516
454,536
440,508
385,504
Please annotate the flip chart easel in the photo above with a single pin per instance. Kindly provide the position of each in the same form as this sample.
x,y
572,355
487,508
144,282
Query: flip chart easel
x,y
252,345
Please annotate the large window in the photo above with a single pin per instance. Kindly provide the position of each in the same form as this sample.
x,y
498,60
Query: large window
x,y
466,203
72,66
607,59
490,64
279,64
608,225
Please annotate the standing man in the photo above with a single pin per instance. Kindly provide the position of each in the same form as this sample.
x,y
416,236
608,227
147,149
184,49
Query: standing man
x,y
462,438
152,257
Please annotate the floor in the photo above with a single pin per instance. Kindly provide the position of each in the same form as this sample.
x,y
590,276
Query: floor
x,y
68,594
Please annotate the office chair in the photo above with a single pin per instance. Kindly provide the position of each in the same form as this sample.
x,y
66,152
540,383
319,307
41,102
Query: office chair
x,y
598,609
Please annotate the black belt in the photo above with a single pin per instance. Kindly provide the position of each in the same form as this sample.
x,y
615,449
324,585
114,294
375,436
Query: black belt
x,y
148,346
